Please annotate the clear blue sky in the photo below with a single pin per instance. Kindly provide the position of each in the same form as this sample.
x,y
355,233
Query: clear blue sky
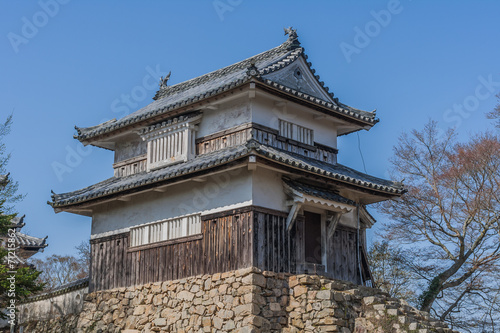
x,y
72,64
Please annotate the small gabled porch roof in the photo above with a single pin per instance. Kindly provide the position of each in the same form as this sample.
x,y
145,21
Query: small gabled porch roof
x,y
314,194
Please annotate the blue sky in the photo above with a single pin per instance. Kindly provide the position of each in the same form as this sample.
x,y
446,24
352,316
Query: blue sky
x,y
67,63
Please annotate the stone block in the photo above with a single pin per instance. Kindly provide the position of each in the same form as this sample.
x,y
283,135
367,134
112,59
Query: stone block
x,y
274,307
299,290
225,314
206,322
254,279
185,296
323,294
246,309
229,325
208,284
338,296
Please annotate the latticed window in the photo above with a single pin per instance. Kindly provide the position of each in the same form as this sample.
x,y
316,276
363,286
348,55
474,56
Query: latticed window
x,y
296,132
170,142
165,230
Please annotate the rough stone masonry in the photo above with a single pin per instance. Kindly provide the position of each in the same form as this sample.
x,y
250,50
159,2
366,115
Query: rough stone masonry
x,y
246,300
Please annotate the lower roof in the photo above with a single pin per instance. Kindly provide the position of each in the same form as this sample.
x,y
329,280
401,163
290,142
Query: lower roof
x,y
118,185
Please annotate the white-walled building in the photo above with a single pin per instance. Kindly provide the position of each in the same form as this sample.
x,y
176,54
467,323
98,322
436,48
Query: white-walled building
x,y
235,168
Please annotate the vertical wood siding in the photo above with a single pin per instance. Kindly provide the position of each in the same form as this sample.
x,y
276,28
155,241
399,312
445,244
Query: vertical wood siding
x,y
225,244
342,255
231,240
271,249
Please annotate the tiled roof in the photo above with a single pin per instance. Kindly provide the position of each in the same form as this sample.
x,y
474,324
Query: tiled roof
x,y
65,288
317,192
116,185
343,109
335,171
25,241
170,121
254,68
17,222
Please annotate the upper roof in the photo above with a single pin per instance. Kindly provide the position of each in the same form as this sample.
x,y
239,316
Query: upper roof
x,y
254,69
140,181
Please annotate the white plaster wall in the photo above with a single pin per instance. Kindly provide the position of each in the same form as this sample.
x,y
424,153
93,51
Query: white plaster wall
x,y
224,189
268,190
129,149
228,115
265,112
71,302
349,219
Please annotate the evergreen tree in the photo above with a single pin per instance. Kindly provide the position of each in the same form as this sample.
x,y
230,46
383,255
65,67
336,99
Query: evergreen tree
x,y
17,281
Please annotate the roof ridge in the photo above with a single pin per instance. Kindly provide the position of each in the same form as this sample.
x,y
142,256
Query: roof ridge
x,y
242,66
170,90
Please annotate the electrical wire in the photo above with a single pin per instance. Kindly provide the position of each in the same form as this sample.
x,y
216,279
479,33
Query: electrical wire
x,y
361,153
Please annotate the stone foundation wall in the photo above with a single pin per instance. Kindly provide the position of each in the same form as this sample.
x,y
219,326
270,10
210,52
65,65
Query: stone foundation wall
x,y
246,300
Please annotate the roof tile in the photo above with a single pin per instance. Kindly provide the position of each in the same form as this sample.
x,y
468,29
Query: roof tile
x,y
116,185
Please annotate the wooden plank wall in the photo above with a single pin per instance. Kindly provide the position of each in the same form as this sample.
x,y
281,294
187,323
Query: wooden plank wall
x,y
226,244
341,256
229,241
271,248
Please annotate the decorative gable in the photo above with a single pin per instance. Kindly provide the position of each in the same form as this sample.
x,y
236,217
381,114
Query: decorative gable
x,y
298,76
171,142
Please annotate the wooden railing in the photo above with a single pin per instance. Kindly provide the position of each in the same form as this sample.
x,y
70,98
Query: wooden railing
x,y
130,166
267,136
168,149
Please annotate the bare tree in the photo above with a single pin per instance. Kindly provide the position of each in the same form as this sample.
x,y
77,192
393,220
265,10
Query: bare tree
x,y
495,114
84,255
390,272
58,270
449,218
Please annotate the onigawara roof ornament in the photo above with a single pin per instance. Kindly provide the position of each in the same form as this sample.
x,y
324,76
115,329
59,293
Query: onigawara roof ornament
x,y
291,32
293,38
253,70
164,80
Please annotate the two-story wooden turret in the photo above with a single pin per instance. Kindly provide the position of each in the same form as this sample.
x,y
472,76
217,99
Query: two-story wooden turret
x,y
232,169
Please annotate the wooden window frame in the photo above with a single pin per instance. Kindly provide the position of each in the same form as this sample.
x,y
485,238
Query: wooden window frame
x,y
166,231
296,132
